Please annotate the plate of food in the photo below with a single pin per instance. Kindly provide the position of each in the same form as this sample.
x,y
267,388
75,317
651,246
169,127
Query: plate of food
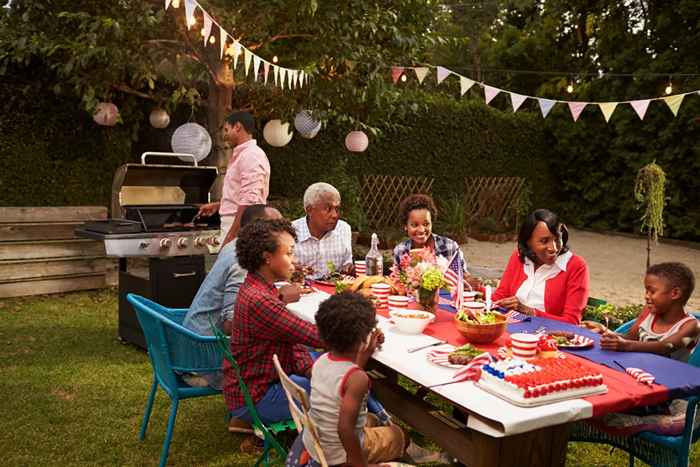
x,y
455,358
569,340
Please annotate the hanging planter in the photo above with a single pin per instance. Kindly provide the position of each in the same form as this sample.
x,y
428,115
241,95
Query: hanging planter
x,y
106,114
306,125
356,141
277,134
159,118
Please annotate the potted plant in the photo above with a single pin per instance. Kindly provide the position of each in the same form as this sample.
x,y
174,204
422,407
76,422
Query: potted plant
x,y
421,273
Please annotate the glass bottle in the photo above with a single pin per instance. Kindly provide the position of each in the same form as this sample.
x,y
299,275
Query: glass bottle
x,y
374,259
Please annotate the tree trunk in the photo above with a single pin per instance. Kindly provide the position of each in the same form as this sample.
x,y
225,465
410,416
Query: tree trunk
x,y
219,103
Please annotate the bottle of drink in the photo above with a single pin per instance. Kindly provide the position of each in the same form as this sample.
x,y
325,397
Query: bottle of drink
x,y
374,260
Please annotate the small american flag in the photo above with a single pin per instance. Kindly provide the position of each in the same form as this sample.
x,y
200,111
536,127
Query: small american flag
x,y
641,375
454,275
513,317
472,371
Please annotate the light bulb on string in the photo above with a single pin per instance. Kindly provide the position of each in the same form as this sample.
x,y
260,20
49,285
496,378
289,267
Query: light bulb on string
x,y
669,87
191,22
176,3
203,32
212,39
275,59
403,78
570,87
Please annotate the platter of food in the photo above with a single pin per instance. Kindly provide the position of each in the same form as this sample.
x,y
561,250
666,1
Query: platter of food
x,y
569,340
454,358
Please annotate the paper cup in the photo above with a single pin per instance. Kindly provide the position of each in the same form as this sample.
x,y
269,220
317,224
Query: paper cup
x,y
381,291
474,306
397,301
360,268
524,345
469,295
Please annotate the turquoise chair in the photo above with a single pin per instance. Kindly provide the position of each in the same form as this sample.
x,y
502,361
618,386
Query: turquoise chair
x,y
594,302
173,350
654,449
265,432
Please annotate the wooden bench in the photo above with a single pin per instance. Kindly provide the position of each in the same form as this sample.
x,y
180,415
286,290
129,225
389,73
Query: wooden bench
x,y
40,254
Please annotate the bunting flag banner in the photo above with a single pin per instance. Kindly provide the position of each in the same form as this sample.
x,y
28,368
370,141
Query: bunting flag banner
x,y
276,73
236,54
607,108
442,73
674,102
517,100
256,66
266,69
421,73
190,5
545,106
396,72
301,79
167,3
222,43
206,30
490,92
283,75
247,57
465,84
576,108
640,107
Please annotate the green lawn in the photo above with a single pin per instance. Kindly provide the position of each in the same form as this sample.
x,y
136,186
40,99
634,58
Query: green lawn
x,y
73,395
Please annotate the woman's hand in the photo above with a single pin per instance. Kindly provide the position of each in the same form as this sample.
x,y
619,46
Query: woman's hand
x,y
614,342
510,303
374,341
595,327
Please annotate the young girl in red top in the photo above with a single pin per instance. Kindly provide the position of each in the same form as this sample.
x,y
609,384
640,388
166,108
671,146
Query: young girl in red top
x,y
543,277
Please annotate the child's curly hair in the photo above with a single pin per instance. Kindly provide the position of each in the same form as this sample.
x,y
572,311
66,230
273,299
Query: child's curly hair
x,y
345,320
416,201
678,275
258,237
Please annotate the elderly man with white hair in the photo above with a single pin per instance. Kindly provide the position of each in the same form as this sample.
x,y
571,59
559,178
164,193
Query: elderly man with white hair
x,y
321,236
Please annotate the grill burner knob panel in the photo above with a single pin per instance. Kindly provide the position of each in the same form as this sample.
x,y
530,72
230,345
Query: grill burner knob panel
x,y
182,242
214,241
165,243
200,242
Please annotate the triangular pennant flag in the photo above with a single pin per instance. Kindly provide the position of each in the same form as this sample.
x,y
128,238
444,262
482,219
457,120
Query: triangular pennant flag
x,y
517,100
674,102
236,53
266,69
640,107
576,108
206,30
276,73
490,92
283,75
301,79
396,72
289,79
296,78
421,73
256,66
442,73
222,42
247,57
545,106
190,5
167,3
464,85
607,108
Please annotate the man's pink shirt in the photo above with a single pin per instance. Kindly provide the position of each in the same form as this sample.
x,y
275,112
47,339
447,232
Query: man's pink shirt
x,y
247,179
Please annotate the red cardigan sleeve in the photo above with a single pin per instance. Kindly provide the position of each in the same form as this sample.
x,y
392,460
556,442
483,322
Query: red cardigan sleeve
x,y
508,285
576,294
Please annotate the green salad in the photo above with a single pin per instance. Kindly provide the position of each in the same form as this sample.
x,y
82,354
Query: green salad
x,y
484,318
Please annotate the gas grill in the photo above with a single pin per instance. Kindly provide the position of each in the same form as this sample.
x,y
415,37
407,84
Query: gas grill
x,y
153,216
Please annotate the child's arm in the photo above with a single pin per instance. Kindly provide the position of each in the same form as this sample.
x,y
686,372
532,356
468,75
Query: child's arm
x,y
665,346
355,389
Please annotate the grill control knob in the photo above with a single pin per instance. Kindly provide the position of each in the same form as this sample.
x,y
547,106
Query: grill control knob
x,y
200,241
214,240
165,243
182,242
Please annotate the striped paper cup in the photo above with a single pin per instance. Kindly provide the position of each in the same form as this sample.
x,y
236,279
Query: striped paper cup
x,y
524,345
381,291
398,301
360,268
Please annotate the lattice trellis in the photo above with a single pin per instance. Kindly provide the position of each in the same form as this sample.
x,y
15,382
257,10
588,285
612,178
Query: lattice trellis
x,y
381,195
494,197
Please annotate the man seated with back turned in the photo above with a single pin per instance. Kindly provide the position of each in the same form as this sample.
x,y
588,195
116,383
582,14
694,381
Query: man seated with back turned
x,y
321,236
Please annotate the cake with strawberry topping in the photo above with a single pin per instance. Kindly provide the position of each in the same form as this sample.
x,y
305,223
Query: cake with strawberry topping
x,y
541,380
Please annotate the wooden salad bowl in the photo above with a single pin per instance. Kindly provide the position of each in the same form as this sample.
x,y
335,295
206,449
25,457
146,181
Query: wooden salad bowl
x,y
482,333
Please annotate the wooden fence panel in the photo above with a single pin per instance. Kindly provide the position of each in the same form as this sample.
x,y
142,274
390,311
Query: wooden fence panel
x,y
381,195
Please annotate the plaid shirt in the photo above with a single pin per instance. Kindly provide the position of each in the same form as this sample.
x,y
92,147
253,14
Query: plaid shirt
x,y
444,247
335,246
262,327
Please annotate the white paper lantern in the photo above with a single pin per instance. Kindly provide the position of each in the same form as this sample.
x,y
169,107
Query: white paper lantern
x,y
356,141
106,114
306,125
159,118
191,138
277,134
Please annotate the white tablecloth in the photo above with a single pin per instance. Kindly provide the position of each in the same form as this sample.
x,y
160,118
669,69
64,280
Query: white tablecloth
x,y
489,414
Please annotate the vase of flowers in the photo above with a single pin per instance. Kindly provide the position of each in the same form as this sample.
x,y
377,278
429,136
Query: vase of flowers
x,y
421,274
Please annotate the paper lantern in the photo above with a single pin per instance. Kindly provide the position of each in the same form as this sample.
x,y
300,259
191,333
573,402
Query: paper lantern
x,y
356,141
191,138
106,114
159,118
277,134
306,125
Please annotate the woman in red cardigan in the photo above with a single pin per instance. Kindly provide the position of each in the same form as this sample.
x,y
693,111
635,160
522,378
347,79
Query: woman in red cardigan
x,y
543,277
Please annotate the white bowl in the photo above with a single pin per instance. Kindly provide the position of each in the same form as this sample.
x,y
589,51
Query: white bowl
x,y
407,321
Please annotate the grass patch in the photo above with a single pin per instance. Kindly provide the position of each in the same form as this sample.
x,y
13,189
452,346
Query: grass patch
x,y
72,394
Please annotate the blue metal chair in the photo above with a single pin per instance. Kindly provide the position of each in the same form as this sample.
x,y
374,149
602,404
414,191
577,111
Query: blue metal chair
x,y
173,350
652,448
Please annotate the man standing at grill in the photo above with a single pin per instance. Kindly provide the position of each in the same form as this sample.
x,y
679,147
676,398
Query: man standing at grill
x,y
247,179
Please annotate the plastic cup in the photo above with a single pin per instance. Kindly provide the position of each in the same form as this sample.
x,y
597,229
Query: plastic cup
x,y
360,268
524,345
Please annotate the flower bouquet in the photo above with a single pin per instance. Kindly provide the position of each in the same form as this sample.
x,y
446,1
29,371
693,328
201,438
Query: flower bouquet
x,y
422,274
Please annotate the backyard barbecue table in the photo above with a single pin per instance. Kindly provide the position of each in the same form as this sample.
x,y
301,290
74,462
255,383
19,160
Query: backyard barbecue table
x,y
497,433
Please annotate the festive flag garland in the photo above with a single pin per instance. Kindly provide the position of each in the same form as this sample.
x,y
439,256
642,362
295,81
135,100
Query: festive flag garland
x,y
575,107
294,78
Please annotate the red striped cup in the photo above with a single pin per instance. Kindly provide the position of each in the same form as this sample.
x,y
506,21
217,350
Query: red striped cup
x,y
398,301
524,345
381,291
360,268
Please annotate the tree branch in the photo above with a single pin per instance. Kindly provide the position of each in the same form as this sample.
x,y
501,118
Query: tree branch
x,y
129,90
278,37
199,58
